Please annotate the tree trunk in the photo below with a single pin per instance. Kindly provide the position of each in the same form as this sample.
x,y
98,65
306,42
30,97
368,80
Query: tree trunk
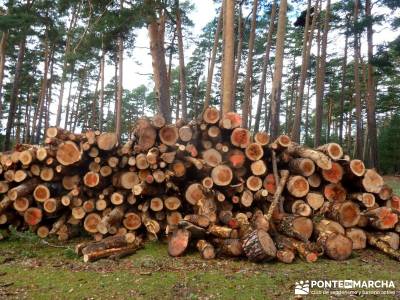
x,y
212,59
371,95
118,103
307,43
37,118
276,82
3,48
246,110
342,87
65,64
357,88
156,33
71,80
93,119
182,71
171,52
265,67
229,55
49,92
238,54
101,93
321,65
14,94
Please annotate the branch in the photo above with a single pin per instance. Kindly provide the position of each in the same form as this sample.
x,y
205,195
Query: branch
x,y
88,25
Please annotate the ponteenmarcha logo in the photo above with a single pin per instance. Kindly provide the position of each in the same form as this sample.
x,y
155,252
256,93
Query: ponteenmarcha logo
x,y
302,287
344,287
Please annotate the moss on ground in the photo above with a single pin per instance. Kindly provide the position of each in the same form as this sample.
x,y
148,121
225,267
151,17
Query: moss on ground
x,y
35,270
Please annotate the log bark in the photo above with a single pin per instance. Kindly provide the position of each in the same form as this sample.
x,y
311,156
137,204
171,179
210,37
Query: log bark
x,y
302,166
259,246
383,246
319,158
296,226
23,189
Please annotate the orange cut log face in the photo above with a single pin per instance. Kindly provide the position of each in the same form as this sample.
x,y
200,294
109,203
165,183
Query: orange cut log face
x,y
91,179
33,216
358,167
335,193
335,174
335,150
240,137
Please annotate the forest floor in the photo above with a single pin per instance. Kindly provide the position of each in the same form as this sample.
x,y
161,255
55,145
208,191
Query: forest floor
x,y
35,269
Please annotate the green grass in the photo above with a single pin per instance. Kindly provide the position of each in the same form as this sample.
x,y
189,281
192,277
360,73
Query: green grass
x,y
394,182
39,271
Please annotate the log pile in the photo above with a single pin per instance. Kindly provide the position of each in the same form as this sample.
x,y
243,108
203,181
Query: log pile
x,y
208,184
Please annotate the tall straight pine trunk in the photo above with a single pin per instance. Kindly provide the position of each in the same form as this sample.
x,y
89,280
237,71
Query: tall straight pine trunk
x,y
238,53
357,87
212,59
342,87
229,55
182,71
65,64
307,43
14,93
156,29
246,108
276,82
371,95
265,67
3,49
321,65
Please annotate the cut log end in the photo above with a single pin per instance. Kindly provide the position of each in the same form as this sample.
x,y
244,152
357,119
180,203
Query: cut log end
x,y
68,153
333,150
132,221
236,158
254,151
91,222
222,175
386,192
107,141
335,192
178,242
298,186
211,115
262,138
240,137
372,181
41,193
231,120
169,135
334,174
284,141
33,216
358,237
338,247
91,179
357,167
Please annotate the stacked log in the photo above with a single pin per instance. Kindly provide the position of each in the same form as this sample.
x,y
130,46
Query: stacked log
x,y
208,184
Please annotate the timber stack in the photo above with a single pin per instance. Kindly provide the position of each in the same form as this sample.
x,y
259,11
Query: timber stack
x,y
208,184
